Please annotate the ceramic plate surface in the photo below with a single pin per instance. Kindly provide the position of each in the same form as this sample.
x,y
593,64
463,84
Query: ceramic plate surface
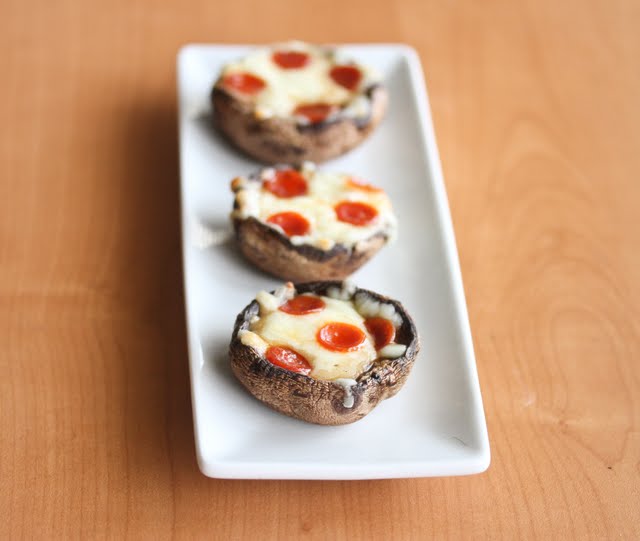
x,y
435,425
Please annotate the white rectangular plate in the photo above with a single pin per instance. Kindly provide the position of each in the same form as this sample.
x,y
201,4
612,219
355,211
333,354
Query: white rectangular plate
x,y
435,425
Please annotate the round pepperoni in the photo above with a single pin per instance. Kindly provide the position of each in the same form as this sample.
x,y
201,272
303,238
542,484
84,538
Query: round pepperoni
x,y
337,336
286,183
314,112
346,76
290,59
288,359
292,223
244,83
355,213
359,184
382,330
303,304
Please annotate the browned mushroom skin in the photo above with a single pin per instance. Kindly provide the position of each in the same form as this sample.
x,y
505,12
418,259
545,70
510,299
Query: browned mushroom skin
x,y
273,252
284,140
317,401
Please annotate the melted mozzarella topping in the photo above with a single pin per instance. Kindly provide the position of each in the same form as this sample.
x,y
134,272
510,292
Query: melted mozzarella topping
x,y
288,88
370,307
325,190
298,332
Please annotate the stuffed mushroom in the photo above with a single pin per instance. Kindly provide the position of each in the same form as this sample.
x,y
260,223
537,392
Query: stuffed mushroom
x,y
303,224
324,352
293,102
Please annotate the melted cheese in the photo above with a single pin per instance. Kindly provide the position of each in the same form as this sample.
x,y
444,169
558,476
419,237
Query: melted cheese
x,y
325,190
288,88
370,307
298,332
347,386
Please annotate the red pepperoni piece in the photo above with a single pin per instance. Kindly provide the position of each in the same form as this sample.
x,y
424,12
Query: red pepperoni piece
x,y
355,213
290,59
337,336
303,304
288,359
314,112
382,330
286,183
346,76
243,82
292,223
360,184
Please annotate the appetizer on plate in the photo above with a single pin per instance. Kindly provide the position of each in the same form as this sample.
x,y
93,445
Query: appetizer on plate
x,y
324,352
303,224
293,102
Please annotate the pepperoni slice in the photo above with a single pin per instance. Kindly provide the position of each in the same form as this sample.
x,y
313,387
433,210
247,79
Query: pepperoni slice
x,y
243,82
303,304
346,76
290,59
359,184
355,213
286,183
337,336
382,330
314,112
292,223
288,359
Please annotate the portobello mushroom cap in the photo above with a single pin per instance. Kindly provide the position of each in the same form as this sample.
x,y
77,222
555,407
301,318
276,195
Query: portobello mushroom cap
x,y
321,401
273,252
285,140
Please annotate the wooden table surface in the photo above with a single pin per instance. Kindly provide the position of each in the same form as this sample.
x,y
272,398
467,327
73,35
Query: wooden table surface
x,y
538,120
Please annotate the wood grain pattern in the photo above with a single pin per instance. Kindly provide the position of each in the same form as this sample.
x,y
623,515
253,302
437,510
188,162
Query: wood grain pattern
x,y
537,114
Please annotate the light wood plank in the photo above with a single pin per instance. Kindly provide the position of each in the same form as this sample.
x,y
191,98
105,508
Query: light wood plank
x,y
537,116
